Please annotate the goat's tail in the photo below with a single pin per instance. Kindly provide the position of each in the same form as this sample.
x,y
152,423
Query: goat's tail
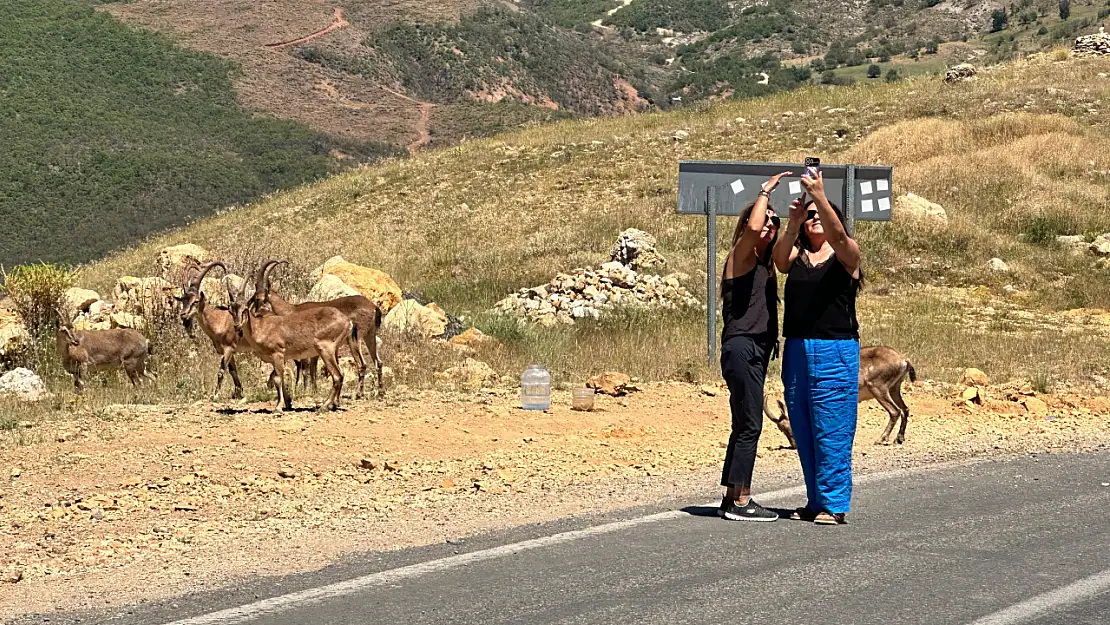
x,y
377,318
149,348
910,370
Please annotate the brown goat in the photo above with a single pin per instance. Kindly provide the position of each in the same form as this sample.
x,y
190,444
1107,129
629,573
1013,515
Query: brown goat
x,y
300,335
366,321
216,323
101,350
881,372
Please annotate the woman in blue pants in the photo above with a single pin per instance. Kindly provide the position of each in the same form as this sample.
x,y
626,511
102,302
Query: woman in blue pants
x,y
820,361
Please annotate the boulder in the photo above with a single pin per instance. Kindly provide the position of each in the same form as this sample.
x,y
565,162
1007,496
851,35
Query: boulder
x,y
610,383
917,209
23,384
636,249
174,260
998,265
1101,245
1035,406
471,374
77,300
410,317
472,338
1097,44
1074,242
374,284
330,287
13,334
143,296
127,320
974,377
88,321
963,71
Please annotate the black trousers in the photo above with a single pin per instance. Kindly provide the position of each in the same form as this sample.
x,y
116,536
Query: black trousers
x,y
744,361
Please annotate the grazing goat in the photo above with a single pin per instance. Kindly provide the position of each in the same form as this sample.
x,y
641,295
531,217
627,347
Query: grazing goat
x,y
216,323
881,372
300,335
366,320
100,350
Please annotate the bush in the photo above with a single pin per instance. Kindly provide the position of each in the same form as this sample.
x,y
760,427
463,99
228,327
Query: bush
x,y
892,75
36,291
1043,30
874,71
998,20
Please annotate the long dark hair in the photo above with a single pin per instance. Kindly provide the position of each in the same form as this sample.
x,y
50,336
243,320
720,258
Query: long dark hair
x,y
745,215
803,242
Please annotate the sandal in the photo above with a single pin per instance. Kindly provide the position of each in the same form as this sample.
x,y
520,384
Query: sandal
x,y
803,514
828,518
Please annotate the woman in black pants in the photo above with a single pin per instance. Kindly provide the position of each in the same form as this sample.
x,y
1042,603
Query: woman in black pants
x,y
749,298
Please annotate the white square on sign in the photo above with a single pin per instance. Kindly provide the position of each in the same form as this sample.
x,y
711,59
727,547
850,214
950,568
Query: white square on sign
x,y
737,186
867,206
884,204
882,185
795,187
865,187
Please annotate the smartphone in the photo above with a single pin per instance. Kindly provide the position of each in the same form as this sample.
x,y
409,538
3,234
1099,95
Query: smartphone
x,y
812,166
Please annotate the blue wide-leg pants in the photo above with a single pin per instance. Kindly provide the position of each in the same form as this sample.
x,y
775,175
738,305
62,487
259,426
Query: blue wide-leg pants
x,y
821,380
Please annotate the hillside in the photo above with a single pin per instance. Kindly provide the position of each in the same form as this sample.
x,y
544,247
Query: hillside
x,y
1016,157
112,133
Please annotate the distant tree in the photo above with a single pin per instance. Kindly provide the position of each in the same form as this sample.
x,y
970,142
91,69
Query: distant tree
x,y
892,75
912,54
998,20
828,77
874,71
931,46
1065,9
1043,30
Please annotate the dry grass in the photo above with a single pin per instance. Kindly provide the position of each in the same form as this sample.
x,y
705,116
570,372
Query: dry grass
x,y
470,224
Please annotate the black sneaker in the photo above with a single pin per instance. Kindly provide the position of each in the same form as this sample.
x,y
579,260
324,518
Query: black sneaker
x,y
724,506
749,512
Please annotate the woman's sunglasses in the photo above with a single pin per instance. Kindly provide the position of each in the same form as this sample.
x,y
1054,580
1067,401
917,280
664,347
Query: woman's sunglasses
x,y
773,218
811,215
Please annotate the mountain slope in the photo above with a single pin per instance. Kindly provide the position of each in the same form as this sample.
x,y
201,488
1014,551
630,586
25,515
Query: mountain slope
x,y
112,133
1017,154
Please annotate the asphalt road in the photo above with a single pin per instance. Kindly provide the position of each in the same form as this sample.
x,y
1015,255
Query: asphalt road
x,y
1024,540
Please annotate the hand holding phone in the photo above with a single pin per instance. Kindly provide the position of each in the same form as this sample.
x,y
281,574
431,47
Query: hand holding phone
x,y
812,167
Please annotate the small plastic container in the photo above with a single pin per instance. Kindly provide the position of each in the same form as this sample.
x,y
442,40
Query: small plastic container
x,y
535,388
582,399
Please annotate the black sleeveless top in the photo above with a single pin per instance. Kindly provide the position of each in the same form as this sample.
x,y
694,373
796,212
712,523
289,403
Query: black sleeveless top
x,y
749,304
820,302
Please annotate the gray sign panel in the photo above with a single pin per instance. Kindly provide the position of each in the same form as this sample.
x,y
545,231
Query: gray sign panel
x,y
738,184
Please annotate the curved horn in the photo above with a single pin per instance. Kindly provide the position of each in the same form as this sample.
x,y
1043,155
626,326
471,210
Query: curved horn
x,y
262,283
187,275
204,269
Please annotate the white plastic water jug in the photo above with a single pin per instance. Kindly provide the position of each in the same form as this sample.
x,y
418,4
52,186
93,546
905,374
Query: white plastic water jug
x,y
535,388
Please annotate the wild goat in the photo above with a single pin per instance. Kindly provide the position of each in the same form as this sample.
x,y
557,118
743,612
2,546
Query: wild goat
x,y
881,372
366,320
300,335
216,323
100,350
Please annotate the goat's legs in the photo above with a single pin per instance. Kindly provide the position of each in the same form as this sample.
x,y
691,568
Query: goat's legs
x,y
277,377
331,363
234,371
355,345
896,395
372,345
883,397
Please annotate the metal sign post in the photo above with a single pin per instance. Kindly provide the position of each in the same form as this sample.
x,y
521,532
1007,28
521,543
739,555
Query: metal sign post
x,y
713,188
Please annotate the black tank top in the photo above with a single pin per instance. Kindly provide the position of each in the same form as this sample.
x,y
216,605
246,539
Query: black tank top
x,y
749,304
820,302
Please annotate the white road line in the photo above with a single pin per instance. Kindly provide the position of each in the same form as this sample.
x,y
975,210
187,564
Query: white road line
x,y
1078,592
274,605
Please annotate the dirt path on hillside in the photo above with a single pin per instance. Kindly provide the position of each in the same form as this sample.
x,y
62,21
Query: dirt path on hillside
x,y
338,22
423,125
141,502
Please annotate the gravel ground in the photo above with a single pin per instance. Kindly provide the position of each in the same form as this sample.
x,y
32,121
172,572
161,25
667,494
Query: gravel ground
x,y
147,502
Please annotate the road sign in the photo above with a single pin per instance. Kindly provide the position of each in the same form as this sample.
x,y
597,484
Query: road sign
x,y
713,188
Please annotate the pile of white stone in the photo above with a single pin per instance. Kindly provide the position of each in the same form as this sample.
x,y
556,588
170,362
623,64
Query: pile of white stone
x,y
587,293
1097,44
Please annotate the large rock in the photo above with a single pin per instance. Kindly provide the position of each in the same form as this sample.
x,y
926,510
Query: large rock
x,y
610,383
173,261
410,317
917,209
974,377
77,300
143,296
1101,245
636,249
963,71
472,338
13,334
471,374
374,284
330,287
997,265
1097,44
23,384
